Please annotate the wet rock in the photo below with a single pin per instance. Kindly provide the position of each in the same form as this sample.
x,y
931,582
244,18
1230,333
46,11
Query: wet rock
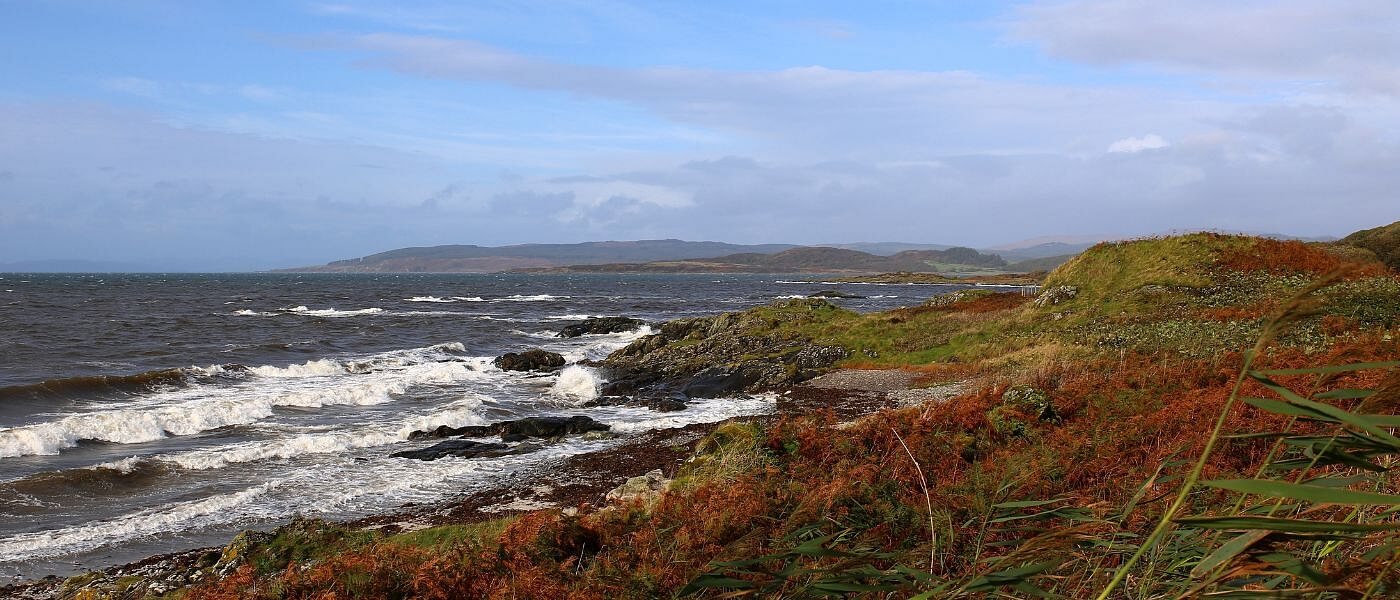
x,y
645,488
714,383
519,429
601,325
834,294
530,360
552,427
459,448
657,400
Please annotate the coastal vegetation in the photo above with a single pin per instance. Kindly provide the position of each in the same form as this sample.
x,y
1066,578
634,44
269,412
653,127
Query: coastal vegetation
x,y
1202,415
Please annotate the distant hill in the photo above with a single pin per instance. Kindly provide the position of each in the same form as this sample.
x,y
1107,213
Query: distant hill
x,y
886,248
808,259
487,259
1045,250
1036,265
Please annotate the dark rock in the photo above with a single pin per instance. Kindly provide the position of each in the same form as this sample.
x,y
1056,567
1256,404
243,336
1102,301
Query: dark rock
x,y
551,427
519,429
530,360
713,383
462,448
443,431
660,400
601,325
834,294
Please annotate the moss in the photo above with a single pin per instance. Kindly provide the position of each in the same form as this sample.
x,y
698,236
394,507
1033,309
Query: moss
x,y
304,540
727,452
445,536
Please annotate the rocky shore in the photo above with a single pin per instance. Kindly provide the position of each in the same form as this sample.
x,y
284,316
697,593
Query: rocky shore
x,y
725,355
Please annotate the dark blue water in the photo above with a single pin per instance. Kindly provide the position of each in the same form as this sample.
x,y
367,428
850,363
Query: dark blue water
x,y
148,413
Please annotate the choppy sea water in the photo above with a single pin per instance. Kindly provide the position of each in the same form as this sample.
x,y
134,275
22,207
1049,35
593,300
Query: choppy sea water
x,y
142,414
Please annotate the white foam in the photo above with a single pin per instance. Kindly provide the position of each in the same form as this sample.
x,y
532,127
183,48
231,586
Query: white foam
x,y
252,313
310,368
469,298
164,519
790,297
577,384
331,312
567,317
701,411
535,298
458,414
429,299
202,408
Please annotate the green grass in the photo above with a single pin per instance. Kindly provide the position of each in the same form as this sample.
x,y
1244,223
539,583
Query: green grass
x,y
446,536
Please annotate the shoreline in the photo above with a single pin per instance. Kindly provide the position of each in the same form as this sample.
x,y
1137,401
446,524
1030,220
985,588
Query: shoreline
x,y
580,481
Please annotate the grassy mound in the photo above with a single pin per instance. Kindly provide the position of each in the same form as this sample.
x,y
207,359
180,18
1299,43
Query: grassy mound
x,y
1383,241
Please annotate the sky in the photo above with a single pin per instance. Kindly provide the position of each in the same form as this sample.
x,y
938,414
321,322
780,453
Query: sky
x,y
193,134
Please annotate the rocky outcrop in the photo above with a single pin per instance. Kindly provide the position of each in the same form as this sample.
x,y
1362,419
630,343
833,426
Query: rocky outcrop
x,y
1056,294
707,357
834,294
530,360
528,427
601,325
458,448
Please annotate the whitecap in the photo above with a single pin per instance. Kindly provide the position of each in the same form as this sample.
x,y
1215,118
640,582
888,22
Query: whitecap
x,y
331,312
577,384
535,298
169,518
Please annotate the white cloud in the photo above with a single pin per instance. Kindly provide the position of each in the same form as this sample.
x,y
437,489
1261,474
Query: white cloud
x,y
815,112
1133,145
1346,43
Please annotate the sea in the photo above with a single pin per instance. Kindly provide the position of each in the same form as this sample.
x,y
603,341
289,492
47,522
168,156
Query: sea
x,y
148,413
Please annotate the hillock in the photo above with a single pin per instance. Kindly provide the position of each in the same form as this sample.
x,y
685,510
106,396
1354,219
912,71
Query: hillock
x,y
1383,241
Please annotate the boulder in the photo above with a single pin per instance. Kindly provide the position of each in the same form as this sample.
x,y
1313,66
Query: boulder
x,y
551,427
601,325
1056,294
645,488
714,382
530,360
462,448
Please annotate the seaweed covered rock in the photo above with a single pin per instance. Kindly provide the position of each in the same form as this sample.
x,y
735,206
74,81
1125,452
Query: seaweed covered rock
x,y
458,448
597,325
530,360
757,349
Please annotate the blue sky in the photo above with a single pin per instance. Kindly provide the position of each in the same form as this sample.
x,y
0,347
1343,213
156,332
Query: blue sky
x,y
239,135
